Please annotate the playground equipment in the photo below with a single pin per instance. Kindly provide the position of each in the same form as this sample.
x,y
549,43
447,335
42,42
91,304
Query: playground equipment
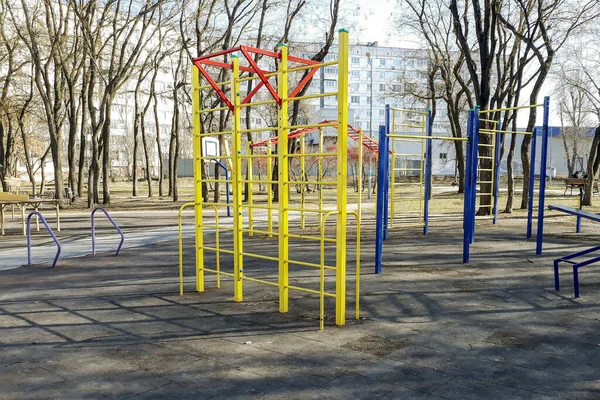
x,y
40,216
280,97
482,162
112,221
363,141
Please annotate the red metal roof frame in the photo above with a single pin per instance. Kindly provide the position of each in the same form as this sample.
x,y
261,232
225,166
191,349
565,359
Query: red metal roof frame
x,y
253,67
352,133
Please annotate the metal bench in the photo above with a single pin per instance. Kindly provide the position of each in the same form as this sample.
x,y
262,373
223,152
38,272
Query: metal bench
x,y
570,258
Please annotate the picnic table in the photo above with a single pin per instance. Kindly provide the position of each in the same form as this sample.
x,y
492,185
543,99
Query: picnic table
x,y
574,183
23,202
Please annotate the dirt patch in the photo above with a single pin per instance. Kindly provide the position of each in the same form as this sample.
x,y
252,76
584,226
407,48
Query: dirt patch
x,y
508,339
376,345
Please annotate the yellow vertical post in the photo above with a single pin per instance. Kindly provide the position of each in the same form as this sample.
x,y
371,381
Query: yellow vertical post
x,y
302,180
342,178
282,187
237,183
269,189
320,173
359,174
197,178
250,179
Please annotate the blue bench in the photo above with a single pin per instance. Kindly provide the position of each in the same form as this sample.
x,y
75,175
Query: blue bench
x,y
569,258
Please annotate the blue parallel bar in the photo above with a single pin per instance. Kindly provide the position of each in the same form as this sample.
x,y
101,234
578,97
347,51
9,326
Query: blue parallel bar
x,y
467,193
428,153
578,228
112,222
531,185
386,171
576,267
49,231
381,203
497,162
544,162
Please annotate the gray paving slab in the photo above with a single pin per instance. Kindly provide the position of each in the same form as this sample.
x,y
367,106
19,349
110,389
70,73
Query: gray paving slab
x,y
431,328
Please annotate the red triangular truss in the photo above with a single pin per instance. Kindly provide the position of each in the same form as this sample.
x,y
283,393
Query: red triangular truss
x,y
252,67
353,133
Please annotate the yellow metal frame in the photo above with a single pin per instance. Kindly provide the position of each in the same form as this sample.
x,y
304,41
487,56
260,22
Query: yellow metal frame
x,y
251,227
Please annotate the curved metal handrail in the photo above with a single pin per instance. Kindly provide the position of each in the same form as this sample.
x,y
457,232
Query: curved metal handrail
x,y
112,222
51,234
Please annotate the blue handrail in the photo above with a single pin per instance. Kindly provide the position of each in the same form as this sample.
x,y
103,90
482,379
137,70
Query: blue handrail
x,y
114,224
220,164
51,234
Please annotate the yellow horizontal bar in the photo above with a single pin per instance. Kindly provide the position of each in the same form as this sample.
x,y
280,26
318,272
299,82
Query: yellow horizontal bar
x,y
258,103
293,127
312,155
260,207
258,181
216,250
215,181
407,183
258,156
412,111
494,131
214,204
311,66
409,126
428,137
247,278
407,155
214,271
308,237
258,130
311,210
307,264
261,232
218,84
510,108
486,145
221,228
488,120
313,96
208,110
215,157
311,183
300,289
215,134
260,256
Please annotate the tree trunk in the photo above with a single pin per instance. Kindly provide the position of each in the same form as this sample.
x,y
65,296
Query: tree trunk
x,y
147,158
592,168
510,174
158,148
106,158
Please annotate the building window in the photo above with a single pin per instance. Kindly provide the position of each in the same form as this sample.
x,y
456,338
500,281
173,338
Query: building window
x,y
381,113
355,60
368,74
354,87
330,83
382,62
355,74
330,70
382,87
368,99
355,99
444,156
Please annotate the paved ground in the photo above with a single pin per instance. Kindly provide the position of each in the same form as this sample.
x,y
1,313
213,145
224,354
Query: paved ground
x,y
114,327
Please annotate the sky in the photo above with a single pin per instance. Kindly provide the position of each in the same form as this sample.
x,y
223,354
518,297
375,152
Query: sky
x,y
376,22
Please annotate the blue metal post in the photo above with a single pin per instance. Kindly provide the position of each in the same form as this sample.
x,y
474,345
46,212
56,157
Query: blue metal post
x,y
531,184
467,193
497,162
387,172
578,230
475,163
381,203
220,164
428,153
544,161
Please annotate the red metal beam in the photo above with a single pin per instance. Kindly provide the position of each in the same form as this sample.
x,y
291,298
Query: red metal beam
x,y
212,83
218,53
303,82
262,77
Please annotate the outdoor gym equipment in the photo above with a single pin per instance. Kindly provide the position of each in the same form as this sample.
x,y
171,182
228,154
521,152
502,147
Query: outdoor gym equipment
x,y
58,248
485,166
280,97
112,221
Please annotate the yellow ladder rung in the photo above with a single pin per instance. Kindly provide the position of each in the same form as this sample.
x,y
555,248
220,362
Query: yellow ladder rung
x,y
486,145
485,158
485,169
407,183
407,169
